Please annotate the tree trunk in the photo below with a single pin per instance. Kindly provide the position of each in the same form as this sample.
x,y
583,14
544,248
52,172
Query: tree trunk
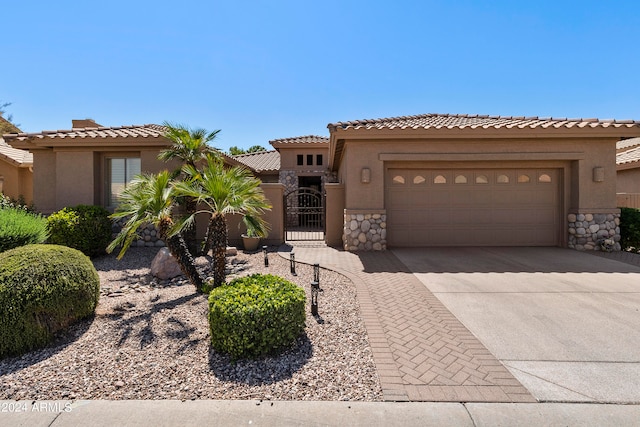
x,y
180,252
190,239
208,240
218,235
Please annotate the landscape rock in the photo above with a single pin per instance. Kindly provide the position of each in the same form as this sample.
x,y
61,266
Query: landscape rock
x,y
164,265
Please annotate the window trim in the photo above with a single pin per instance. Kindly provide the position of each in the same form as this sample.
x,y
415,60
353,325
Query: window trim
x,y
107,184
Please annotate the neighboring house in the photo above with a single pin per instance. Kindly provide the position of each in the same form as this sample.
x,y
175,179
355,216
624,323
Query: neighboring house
x,y
16,167
16,172
628,172
457,180
628,165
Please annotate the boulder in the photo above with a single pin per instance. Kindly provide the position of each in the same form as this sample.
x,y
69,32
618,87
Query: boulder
x,y
164,266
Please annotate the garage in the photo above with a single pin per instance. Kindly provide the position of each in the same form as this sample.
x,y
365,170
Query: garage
x,y
473,207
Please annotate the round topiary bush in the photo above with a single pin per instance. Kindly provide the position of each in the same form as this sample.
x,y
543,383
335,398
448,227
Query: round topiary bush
x,y
19,227
43,289
256,315
83,227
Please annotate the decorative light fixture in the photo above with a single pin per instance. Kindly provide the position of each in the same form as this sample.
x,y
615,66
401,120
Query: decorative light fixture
x,y
316,273
598,174
292,260
266,258
315,287
365,175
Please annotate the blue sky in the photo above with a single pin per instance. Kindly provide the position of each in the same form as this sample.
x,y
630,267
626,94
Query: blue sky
x,y
261,70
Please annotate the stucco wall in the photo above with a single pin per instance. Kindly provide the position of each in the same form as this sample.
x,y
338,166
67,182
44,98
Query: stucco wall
x,y
74,178
14,181
628,181
334,214
585,155
288,158
44,180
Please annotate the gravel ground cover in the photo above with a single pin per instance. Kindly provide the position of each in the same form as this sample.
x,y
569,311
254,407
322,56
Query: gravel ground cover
x,y
150,340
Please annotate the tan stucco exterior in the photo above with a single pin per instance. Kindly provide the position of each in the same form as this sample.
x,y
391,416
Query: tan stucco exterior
x,y
71,171
363,154
16,181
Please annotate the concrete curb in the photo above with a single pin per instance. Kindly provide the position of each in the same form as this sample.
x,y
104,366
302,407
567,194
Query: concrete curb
x,y
97,413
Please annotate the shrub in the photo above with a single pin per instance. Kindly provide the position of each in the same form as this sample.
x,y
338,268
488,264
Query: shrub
x,y
43,289
19,203
19,227
256,315
630,228
83,227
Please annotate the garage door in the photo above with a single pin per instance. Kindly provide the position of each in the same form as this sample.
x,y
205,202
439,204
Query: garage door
x,y
483,207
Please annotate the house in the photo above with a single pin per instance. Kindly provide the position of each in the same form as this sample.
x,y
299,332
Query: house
x,y
628,166
91,164
16,172
426,180
16,167
88,164
458,180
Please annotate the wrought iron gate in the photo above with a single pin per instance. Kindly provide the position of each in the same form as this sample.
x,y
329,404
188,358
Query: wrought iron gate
x,y
304,214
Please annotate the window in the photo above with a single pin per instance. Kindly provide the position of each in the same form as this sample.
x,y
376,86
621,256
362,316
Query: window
x,y
398,179
503,179
544,178
119,173
482,179
460,179
319,159
439,180
419,179
309,159
523,179
300,159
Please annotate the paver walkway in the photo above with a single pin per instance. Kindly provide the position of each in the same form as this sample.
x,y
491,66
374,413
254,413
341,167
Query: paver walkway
x,y
422,352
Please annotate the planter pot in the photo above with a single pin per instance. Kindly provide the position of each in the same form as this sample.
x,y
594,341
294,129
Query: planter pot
x,y
250,243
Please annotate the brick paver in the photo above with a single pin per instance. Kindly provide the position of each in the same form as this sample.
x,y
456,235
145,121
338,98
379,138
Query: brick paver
x,y
422,352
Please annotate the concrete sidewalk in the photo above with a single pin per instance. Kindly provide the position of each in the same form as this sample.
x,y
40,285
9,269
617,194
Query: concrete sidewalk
x,y
255,413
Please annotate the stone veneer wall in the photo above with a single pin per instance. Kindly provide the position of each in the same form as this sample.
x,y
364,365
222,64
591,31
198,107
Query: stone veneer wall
x,y
290,181
588,231
365,231
148,235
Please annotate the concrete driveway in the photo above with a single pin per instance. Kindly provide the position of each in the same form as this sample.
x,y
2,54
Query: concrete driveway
x,y
566,324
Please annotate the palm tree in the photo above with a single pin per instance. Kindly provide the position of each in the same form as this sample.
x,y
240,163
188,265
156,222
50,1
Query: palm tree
x,y
189,146
151,199
224,191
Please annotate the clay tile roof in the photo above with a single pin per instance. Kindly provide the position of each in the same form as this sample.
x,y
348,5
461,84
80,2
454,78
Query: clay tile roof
x,y
461,121
14,155
133,131
630,156
308,139
262,161
627,143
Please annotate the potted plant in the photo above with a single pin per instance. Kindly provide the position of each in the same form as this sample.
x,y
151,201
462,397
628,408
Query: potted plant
x,y
257,228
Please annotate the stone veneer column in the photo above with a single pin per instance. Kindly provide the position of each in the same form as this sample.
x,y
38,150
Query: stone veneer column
x,y
588,232
365,230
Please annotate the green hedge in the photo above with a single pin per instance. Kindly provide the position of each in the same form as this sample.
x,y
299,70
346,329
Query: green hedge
x,y
43,289
83,227
630,229
19,227
256,315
